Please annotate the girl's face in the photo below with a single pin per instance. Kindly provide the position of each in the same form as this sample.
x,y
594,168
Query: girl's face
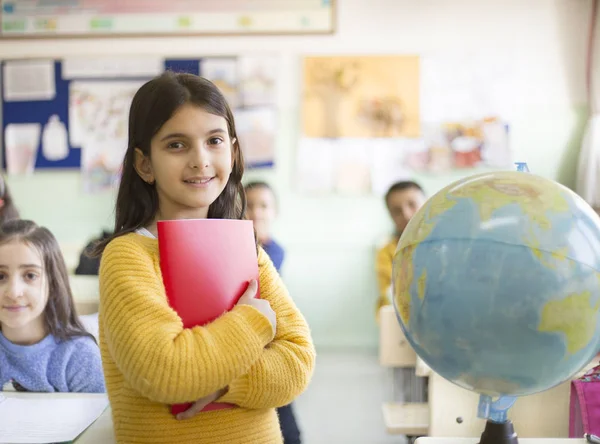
x,y
190,162
23,293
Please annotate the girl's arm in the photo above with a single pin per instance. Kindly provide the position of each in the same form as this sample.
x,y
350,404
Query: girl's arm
x,y
286,365
84,368
146,339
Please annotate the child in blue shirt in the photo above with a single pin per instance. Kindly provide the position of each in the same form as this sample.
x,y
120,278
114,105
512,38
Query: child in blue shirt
x,y
262,210
43,345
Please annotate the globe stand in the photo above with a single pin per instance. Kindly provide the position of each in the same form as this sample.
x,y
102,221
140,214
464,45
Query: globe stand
x,y
498,433
498,428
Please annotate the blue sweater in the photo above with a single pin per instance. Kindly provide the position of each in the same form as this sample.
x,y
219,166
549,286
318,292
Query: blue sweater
x,y
275,252
52,365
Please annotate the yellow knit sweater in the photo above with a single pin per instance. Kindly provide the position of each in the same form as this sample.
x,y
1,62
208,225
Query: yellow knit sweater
x,y
150,361
383,267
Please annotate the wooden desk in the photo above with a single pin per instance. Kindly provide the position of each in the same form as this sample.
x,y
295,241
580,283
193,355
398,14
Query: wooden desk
x,y
448,402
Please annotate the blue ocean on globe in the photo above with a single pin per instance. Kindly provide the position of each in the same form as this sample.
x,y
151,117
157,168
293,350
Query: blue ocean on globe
x,y
497,283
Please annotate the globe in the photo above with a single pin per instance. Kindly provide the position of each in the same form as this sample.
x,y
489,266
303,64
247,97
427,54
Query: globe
x,y
496,283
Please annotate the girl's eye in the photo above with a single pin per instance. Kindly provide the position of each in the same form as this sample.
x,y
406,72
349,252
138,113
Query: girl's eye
x,y
30,276
176,145
2,276
215,141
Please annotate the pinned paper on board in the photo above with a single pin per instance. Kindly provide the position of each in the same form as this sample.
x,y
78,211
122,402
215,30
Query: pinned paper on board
x,y
356,96
352,166
395,160
256,129
98,123
21,141
28,80
257,80
223,72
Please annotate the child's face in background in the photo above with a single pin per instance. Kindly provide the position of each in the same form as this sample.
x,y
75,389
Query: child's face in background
x,y
190,162
23,293
403,205
261,210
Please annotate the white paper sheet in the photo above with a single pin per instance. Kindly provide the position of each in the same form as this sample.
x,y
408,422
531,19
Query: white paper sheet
x,y
223,72
21,143
258,79
256,129
314,163
352,171
395,160
46,418
29,80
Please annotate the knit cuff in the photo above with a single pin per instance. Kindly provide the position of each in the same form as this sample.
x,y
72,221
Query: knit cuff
x,y
258,322
237,392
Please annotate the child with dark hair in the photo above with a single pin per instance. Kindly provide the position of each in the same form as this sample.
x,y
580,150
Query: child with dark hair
x,y
184,161
43,345
403,200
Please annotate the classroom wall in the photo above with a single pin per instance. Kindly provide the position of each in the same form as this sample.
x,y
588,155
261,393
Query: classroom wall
x,y
330,240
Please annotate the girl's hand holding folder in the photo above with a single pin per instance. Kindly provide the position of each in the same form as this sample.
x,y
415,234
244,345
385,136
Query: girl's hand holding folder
x,y
249,298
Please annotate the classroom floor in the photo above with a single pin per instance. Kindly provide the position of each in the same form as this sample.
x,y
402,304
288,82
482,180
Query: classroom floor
x,y
343,402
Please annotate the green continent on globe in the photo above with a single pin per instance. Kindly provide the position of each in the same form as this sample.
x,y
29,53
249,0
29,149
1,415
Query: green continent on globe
x,y
531,193
573,316
403,281
422,224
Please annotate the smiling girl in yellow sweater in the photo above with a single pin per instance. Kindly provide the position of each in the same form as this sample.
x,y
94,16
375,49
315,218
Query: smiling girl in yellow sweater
x,y
184,161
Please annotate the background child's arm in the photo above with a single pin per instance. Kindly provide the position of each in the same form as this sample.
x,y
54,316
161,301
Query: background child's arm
x,y
286,365
146,339
84,368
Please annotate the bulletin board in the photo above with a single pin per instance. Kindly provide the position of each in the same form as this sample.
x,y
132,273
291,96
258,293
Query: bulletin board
x,y
73,113
80,18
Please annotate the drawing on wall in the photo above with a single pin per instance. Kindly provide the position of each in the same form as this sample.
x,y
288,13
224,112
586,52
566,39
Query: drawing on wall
x,y
223,72
371,96
257,79
256,129
462,145
249,85
98,119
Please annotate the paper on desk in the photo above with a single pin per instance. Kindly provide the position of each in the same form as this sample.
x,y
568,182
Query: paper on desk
x,y
42,419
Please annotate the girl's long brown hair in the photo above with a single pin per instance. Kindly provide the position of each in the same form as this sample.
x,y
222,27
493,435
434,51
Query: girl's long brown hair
x,y
60,315
152,106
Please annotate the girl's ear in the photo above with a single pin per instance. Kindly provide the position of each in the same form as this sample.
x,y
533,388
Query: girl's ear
x,y
143,166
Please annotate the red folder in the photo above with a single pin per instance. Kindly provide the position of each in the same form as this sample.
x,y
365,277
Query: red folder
x,y
206,265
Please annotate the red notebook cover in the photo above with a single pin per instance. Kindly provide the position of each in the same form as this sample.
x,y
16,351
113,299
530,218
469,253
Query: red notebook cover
x,y
206,265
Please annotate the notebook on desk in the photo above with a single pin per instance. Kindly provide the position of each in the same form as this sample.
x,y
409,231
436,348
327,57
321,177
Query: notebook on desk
x,y
39,418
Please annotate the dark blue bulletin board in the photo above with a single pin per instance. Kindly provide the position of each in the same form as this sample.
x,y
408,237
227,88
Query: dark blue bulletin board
x,y
39,111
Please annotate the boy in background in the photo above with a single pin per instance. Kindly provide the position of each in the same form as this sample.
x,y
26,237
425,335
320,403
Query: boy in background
x,y
262,210
403,200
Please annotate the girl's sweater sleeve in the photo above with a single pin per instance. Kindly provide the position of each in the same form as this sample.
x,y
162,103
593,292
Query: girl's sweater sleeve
x,y
286,366
146,339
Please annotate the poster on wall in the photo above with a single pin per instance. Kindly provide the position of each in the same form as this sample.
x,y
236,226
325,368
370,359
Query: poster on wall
x,y
249,84
364,97
98,118
434,114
